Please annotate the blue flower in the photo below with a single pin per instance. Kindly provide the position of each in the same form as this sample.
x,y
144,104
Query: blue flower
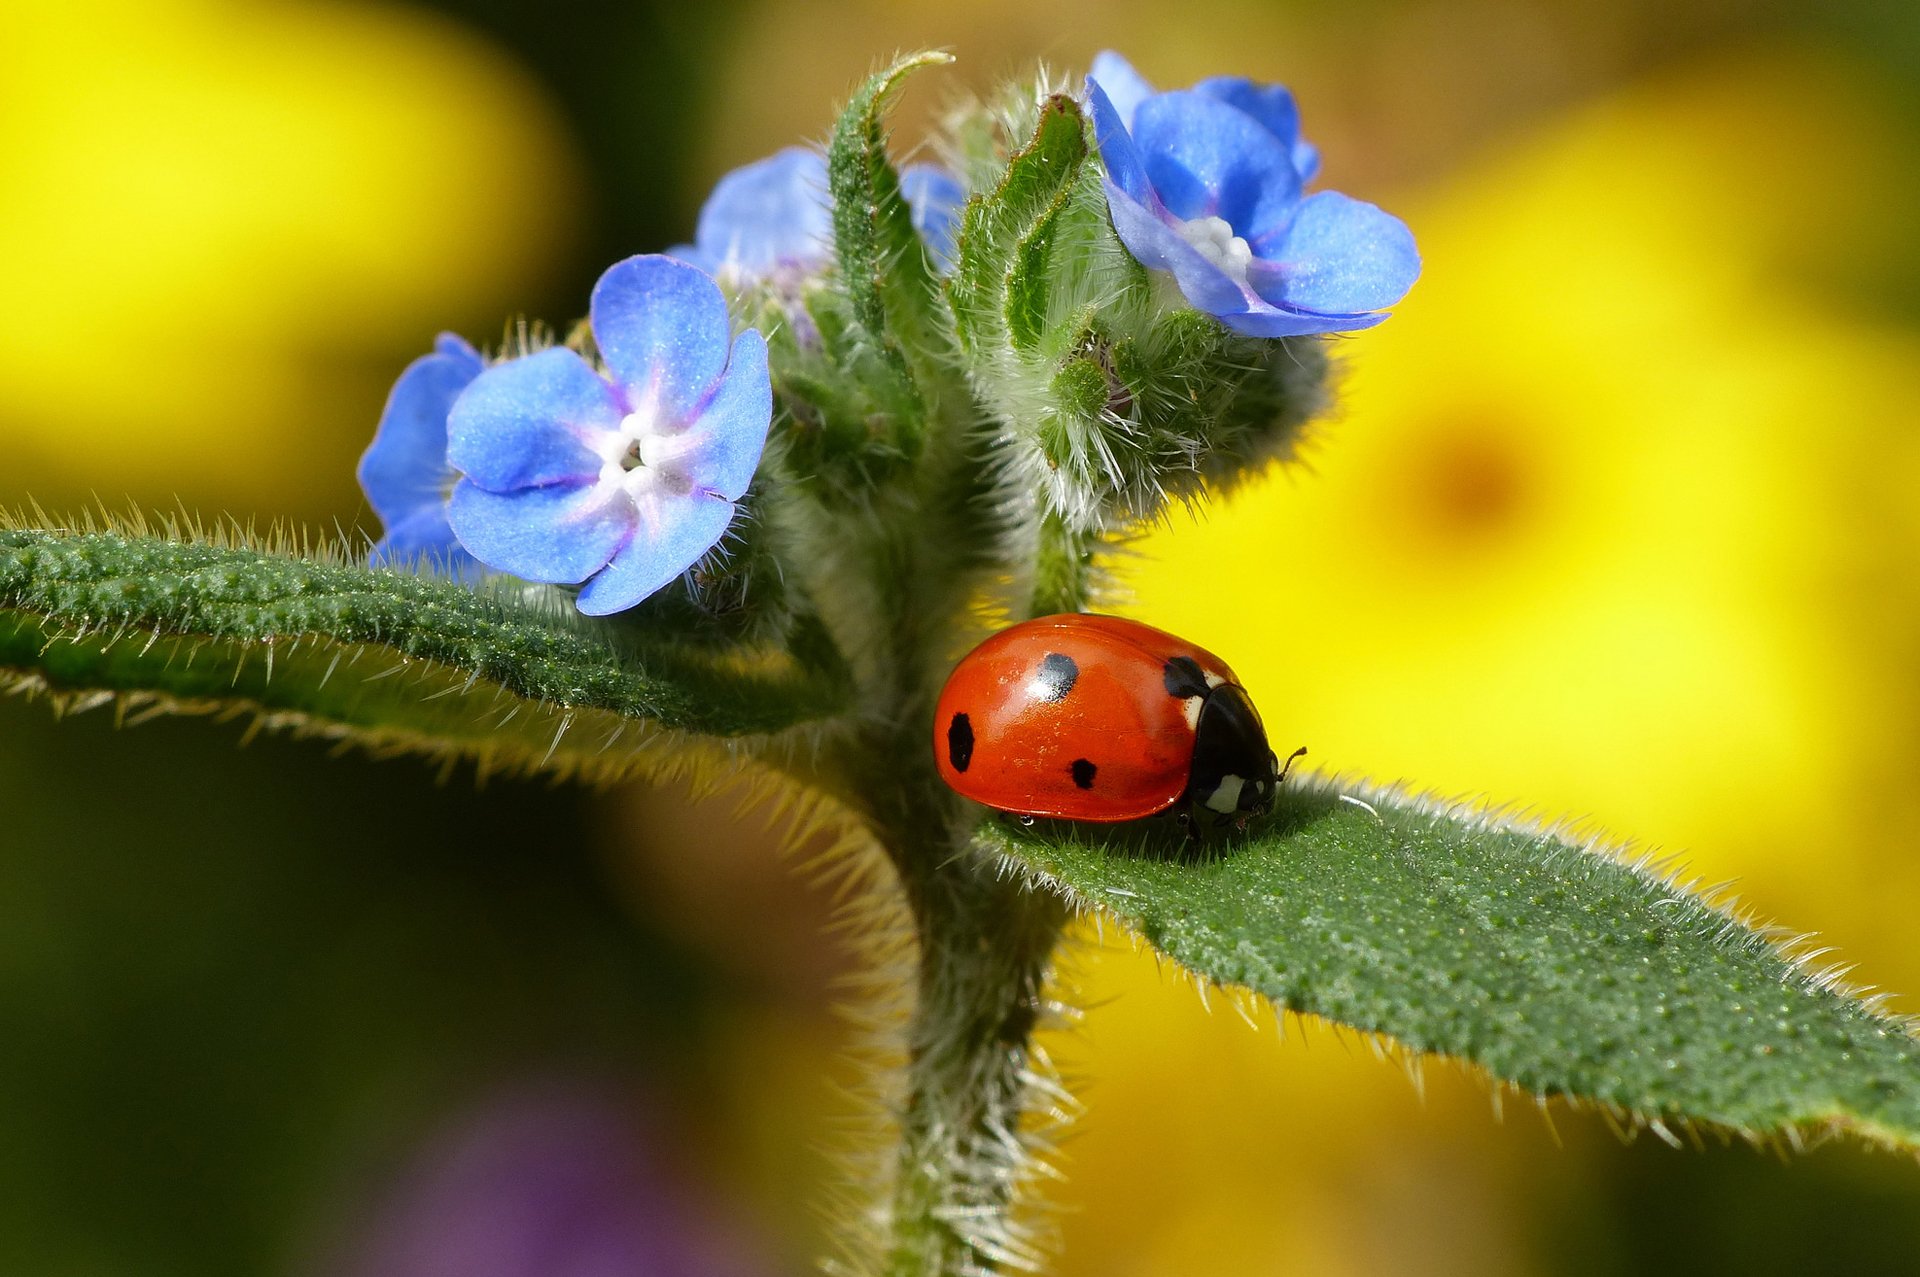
x,y
1206,184
771,216
405,472
620,481
774,217
934,197
1271,104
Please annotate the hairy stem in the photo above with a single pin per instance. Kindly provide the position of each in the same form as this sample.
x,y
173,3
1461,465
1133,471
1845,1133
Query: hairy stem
x,y
985,942
1062,566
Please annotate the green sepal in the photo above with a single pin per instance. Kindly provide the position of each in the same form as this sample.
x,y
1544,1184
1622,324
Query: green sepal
x,y
886,273
508,675
1029,299
1118,395
837,433
1541,957
993,228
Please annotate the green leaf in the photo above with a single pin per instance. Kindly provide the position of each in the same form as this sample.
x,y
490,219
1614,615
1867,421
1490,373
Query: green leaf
x,y
392,659
1544,959
886,273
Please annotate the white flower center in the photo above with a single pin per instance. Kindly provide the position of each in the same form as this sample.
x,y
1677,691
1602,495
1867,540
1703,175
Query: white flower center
x,y
641,457
1215,240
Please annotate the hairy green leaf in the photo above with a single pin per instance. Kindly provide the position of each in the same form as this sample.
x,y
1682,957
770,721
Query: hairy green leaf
x,y
383,656
1541,957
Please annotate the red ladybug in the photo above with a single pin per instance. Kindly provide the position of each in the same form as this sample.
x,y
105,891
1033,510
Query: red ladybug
x,y
1083,717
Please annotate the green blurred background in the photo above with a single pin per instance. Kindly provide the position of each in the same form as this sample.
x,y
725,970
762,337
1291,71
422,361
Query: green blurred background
x,y
1619,518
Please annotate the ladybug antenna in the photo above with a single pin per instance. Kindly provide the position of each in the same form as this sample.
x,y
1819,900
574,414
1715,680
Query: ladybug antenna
x,y
1288,765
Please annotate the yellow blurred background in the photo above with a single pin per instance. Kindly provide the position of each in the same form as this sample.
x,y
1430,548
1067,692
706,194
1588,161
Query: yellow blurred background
x,y
1618,518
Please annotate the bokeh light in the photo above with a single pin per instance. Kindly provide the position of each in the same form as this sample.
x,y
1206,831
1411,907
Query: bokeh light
x,y
222,218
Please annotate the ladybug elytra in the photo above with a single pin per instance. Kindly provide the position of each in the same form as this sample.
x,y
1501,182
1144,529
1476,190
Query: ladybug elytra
x,y
1097,718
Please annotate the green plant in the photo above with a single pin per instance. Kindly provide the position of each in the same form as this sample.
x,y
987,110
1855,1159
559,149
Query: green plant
x,y
950,451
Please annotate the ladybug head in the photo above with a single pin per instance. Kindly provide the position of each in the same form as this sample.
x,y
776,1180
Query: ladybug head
x,y
1234,771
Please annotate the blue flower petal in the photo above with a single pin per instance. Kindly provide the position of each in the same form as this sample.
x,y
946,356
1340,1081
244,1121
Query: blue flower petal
x,y
1263,320
425,537
1208,159
1125,167
1338,256
1274,107
663,329
1125,87
1230,149
1306,160
722,449
692,256
530,421
405,468
564,533
934,196
671,533
771,213
1157,246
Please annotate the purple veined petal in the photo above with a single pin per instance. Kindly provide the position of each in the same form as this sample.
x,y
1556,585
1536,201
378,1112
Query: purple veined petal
x,y
670,535
1207,159
1125,167
1158,246
531,421
1125,87
663,329
721,449
1338,256
934,196
1274,107
564,533
404,469
425,537
771,213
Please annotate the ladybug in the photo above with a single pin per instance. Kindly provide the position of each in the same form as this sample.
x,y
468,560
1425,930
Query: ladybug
x,y
1085,717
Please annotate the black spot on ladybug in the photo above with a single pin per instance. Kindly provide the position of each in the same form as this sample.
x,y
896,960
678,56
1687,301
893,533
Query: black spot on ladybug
x,y
1184,678
1055,678
960,742
1083,771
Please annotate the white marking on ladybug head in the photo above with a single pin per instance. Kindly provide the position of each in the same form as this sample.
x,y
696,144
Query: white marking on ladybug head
x,y
1213,680
1225,797
1191,708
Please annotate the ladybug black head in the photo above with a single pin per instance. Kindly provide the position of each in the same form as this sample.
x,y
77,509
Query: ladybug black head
x,y
1233,769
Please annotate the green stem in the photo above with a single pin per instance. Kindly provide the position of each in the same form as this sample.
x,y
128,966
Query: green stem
x,y
985,943
1063,564
899,590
